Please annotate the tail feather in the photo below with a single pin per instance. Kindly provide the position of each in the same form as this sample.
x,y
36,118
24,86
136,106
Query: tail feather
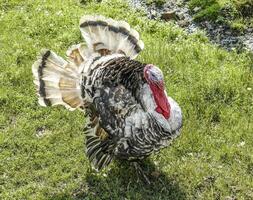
x,y
109,36
57,81
78,53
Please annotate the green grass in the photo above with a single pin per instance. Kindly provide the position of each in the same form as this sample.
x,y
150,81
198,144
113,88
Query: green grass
x,y
42,151
238,14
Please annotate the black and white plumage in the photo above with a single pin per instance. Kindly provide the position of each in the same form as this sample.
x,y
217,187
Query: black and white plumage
x,y
130,115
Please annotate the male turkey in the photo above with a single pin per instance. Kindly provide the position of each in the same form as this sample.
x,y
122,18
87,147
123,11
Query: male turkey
x,y
130,115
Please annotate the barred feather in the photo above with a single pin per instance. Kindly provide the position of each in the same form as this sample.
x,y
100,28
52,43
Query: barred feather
x,y
107,36
57,81
99,148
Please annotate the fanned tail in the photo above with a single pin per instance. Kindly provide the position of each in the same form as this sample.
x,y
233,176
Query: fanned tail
x,y
57,81
108,36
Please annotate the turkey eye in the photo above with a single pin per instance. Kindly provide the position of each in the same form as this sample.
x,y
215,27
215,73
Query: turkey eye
x,y
153,77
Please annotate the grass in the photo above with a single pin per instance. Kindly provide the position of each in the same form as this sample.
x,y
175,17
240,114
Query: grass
x,y
42,151
238,14
158,3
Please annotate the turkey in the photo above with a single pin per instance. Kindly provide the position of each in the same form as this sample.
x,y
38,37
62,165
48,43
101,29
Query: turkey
x,y
129,113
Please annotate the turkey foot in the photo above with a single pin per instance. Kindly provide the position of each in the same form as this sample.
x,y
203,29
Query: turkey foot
x,y
141,173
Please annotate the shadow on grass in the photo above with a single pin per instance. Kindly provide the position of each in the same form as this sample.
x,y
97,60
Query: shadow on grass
x,y
121,182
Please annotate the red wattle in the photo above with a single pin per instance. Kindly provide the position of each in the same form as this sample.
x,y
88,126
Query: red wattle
x,y
163,106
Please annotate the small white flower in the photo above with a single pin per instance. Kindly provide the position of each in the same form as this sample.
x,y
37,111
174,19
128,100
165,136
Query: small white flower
x,y
241,144
59,13
249,88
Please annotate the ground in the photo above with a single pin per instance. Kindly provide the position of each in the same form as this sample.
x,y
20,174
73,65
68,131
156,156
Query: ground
x,y
236,13
42,149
